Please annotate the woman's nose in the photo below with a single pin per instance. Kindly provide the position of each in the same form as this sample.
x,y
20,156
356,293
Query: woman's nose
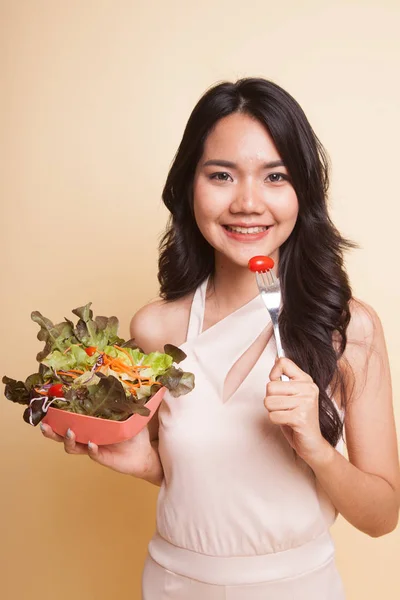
x,y
248,200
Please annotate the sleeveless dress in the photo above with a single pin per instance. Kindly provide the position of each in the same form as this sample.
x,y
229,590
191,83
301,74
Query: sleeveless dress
x,y
239,515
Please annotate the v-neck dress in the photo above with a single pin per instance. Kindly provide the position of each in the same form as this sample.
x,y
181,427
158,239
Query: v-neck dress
x,y
237,506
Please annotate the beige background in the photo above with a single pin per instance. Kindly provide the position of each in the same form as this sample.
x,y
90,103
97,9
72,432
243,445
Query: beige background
x,y
95,95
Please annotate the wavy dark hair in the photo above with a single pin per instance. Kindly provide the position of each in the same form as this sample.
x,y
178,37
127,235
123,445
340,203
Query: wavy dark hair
x,y
315,289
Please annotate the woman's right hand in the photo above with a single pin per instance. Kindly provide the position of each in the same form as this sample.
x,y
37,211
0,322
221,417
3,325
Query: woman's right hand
x,y
135,456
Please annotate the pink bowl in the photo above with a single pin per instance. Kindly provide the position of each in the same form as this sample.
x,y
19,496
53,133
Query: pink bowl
x,y
101,431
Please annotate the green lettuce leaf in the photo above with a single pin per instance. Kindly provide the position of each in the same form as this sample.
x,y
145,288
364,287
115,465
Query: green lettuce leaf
x,y
177,381
108,400
131,344
138,406
76,400
99,332
86,329
177,354
16,391
107,331
86,378
54,336
35,413
75,358
144,392
34,380
157,362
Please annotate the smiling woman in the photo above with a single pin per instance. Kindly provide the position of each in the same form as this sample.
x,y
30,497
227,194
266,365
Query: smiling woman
x,y
252,201
250,466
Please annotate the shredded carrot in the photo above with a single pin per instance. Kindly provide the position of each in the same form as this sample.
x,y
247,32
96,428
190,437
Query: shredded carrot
x,y
120,363
106,360
119,366
126,353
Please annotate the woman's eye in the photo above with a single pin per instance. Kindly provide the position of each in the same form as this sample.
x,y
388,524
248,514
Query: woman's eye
x,y
277,177
221,176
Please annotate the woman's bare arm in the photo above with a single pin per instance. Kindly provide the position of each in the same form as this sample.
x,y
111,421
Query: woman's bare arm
x,y
145,329
365,489
153,326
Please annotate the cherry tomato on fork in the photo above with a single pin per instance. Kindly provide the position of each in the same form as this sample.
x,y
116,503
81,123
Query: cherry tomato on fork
x,y
260,263
56,390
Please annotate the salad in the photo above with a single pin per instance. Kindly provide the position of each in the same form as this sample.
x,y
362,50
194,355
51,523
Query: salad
x,y
86,368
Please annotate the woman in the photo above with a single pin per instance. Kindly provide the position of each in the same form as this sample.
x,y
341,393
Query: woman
x,y
250,466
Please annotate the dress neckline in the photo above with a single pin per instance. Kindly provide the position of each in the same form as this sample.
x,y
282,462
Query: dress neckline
x,y
196,318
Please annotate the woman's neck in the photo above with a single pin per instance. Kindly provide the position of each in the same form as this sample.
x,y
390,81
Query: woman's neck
x,y
230,287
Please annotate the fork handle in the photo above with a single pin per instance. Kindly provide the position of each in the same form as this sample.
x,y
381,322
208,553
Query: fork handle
x,y
279,349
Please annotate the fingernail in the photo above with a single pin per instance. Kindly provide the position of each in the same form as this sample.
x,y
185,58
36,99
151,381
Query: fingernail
x,y
42,428
90,446
68,434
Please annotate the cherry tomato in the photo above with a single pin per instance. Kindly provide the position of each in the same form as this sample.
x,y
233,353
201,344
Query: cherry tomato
x,y
91,350
260,263
56,390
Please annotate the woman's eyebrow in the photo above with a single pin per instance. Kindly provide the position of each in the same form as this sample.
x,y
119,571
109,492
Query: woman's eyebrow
x,y
231,165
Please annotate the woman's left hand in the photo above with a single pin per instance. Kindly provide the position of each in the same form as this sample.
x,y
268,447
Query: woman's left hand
x,y
294,406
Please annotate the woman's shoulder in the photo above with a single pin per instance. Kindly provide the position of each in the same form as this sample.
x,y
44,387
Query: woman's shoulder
x,y
161,322
364,322
365,351
365,337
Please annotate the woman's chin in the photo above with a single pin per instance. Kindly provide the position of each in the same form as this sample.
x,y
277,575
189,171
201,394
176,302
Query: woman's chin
x,y
240,259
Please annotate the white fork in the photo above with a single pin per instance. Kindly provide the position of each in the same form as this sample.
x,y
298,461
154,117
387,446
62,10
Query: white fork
x,y
270,291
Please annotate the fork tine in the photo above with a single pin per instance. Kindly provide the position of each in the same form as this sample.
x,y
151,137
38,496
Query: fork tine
x,y
260,280
265,278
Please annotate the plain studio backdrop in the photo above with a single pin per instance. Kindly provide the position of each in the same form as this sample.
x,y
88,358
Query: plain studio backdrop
x,y
95,95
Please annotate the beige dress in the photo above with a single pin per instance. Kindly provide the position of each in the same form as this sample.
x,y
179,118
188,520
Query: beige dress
x,y
240,516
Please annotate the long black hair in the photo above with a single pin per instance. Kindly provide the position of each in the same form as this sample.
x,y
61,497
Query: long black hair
x,y
315,287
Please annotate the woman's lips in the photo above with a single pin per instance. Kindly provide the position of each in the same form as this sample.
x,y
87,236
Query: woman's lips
x,y
246,237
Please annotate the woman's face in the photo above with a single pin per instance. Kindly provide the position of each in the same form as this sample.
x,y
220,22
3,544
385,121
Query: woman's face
x,y
244,202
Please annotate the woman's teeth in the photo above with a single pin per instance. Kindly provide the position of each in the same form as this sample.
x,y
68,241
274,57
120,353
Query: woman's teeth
x,y
246,229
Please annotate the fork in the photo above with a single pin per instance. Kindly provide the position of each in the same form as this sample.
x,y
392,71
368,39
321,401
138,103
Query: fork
x,y
270,291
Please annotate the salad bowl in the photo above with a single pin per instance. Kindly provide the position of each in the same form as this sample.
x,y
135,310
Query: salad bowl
x,y
101,431
92,381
